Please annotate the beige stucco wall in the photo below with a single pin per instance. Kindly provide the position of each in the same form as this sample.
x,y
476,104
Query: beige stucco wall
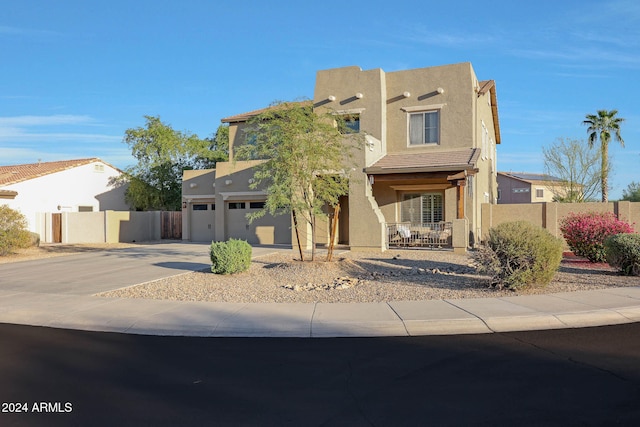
x,y
198,182
133,226
343,84
456,106
237,137
198,188
104,226
84,227
550,215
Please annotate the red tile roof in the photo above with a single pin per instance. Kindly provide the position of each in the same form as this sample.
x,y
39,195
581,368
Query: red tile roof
x,y
18,173
437,161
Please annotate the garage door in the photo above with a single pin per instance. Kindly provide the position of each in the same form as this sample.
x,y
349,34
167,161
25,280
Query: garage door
x,y
267,230
203,222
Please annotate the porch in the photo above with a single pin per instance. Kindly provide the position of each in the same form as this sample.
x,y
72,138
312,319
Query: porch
x,y
432,235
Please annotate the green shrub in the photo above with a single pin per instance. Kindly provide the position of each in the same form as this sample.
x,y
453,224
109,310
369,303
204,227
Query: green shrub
x,y
623,253
519,254
34,239
13,230
232,256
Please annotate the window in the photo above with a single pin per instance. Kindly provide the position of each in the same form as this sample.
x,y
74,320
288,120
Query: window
x,y
256,205
539,193
350,123
422,208
236,205
85,208
424,128
200,207
213,206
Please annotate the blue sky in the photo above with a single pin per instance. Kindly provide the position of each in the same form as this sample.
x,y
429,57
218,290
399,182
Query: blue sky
x,y
75,74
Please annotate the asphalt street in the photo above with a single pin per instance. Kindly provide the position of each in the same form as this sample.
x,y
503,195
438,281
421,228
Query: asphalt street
x,y
567,377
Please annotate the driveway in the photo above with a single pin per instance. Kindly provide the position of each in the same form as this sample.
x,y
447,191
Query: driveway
x,y
93,272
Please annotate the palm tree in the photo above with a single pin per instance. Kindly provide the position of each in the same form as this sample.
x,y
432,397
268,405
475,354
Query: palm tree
x,y
601,126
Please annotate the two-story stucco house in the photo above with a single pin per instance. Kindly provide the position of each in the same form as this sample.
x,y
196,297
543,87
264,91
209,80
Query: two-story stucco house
x,y
427,164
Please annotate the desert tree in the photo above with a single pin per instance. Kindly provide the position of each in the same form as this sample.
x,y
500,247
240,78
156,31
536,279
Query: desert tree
x,y
305,162
155,182
632,192
576,167
218,149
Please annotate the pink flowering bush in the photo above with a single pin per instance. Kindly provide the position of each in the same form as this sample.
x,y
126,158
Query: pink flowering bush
x,y
585,233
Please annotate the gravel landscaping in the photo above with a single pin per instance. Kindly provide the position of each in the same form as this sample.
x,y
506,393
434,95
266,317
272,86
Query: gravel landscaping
x,y
363,277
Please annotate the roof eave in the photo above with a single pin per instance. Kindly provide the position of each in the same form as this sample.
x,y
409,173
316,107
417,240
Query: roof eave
x,y
447,168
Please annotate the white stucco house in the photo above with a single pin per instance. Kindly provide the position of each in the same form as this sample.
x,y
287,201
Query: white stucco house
x,y
82,185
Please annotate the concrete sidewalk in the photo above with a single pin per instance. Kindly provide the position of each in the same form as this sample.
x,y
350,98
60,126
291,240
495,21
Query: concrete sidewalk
x,y
400,318
58,292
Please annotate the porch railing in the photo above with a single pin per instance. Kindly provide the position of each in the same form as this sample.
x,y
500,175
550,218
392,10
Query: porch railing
x,y
406,234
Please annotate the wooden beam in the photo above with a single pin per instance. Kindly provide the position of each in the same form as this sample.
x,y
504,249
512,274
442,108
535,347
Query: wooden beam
x,y
460,198
422,187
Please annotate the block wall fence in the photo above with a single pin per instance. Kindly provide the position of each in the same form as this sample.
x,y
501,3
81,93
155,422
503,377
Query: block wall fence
x,y
550,215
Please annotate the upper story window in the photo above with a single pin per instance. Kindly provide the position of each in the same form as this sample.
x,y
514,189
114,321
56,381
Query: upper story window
x,y
424,127
423,124
350,123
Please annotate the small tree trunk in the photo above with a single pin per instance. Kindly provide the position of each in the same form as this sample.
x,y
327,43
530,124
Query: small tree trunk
x,y
295,225
334,230
605,171
313,236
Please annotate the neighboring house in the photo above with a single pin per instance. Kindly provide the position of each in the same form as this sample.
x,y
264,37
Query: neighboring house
x,y
521,187
427,164
82,185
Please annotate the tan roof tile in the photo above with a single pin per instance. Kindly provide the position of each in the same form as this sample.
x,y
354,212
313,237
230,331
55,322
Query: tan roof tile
x,y
426,162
